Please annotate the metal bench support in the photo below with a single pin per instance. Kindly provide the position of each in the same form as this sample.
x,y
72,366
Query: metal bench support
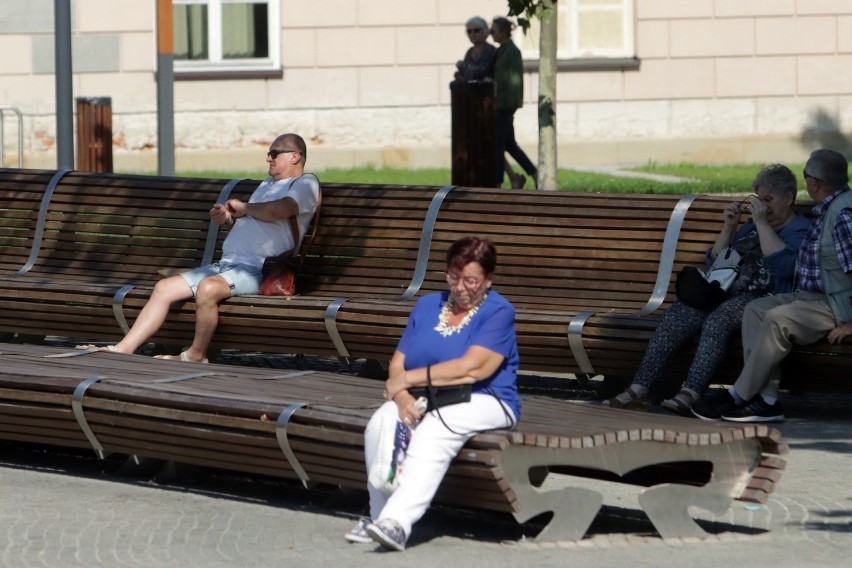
x,y
77,409
284,443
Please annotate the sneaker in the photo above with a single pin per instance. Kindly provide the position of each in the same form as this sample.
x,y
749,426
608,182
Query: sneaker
x,y
359,533
388,533
714,405
757,410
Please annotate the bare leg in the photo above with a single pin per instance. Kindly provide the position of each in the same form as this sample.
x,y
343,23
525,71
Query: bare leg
x,y
166,292
211,292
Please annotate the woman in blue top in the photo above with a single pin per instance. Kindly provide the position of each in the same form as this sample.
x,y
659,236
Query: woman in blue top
x,y
768,244
463,336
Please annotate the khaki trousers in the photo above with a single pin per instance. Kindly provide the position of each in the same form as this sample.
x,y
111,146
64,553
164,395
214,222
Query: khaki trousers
x,y
771,326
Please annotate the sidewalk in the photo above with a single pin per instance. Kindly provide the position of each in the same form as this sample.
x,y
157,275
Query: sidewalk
x,y
62,508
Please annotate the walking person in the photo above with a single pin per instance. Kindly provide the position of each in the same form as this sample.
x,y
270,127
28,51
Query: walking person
x,y
509,91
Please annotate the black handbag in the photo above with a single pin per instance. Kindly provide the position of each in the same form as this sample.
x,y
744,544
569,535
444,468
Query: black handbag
x,y
706,291
439,397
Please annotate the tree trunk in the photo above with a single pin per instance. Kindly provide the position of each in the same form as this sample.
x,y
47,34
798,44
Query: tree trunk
x,y
547,155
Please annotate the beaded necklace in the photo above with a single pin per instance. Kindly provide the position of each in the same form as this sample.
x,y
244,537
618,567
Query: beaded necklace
x,y
444,328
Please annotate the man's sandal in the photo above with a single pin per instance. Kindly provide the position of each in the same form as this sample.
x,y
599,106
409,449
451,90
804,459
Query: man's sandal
x,y
90,347
182,357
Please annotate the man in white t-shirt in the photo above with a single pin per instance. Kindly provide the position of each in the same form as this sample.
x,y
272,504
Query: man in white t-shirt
x,y
260,228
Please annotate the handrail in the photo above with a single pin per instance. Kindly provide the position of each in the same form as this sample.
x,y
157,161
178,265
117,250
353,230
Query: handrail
x,y
41,222
658,295
426,242
667,255
17,111
416,279
213,229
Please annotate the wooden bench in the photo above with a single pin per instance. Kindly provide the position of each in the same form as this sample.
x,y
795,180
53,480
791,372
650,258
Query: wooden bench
x,y
588,273
560,256
308,426
369,242
104,237
615,342
97,234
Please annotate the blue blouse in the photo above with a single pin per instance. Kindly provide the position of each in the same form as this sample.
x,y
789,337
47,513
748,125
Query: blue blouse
x,y
492,327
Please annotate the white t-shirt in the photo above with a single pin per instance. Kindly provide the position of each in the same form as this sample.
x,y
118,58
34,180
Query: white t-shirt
x,y
251,240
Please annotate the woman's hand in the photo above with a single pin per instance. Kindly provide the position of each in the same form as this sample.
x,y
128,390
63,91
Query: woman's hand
x,y
758,212
731,215
405,404
396,383
839,333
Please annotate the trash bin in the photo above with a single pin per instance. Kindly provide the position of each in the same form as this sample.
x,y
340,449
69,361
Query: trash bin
x,y
473,145
94,134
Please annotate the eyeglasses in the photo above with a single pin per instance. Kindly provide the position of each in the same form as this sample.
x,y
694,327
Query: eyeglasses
x,y
474,30
469,282
745,203
275,153
806,175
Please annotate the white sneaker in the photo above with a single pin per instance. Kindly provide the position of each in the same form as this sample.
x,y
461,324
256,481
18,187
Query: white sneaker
x,y
359,533
388,533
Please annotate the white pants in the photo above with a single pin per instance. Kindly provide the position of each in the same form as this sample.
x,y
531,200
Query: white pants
x,y
430,452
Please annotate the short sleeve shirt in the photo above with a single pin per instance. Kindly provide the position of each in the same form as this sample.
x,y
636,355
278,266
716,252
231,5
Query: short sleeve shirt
x,y
251,240
492,327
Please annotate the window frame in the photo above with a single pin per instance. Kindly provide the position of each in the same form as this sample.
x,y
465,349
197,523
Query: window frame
x,y
571,57
215,66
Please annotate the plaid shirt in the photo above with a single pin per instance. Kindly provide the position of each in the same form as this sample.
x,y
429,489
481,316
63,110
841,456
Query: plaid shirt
x,y
807,266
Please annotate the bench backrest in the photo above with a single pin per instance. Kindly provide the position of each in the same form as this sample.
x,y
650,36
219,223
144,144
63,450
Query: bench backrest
x,y
119,228
21,193
701,226
367,240
558,249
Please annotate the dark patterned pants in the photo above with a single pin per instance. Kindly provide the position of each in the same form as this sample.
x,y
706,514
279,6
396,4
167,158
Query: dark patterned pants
x,y
680,323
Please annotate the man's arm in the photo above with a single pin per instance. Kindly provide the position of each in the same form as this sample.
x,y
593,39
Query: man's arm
x,y
269,211
843,239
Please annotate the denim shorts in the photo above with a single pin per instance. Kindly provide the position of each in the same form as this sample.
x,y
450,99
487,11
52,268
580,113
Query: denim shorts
x,y
242,278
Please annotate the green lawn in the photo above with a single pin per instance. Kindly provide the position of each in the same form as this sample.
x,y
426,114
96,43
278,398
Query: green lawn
x,y
698,178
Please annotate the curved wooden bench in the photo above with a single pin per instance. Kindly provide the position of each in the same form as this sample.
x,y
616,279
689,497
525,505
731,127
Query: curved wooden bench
x,y
308,426
98,233
589,274
369,243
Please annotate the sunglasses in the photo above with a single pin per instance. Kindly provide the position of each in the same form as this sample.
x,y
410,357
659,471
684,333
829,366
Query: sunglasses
x,y
806,175
275,153
474,30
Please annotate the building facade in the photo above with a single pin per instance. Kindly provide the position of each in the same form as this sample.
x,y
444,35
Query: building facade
x,y
367,81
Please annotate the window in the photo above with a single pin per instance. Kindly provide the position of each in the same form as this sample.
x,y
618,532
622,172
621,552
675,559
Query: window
x,y
226,35
587,29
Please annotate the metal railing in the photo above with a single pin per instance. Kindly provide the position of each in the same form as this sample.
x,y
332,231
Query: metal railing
x,y
17,111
